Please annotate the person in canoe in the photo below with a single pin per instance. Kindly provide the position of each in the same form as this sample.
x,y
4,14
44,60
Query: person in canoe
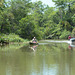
x,y
34,40
69,37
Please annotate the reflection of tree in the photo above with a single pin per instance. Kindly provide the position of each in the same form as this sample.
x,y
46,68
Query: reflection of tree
x,y
71,46
49,59
65,62
58,53
25,48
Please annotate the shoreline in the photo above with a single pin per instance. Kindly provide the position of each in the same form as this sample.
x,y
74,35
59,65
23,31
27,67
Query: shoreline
x,y
8,43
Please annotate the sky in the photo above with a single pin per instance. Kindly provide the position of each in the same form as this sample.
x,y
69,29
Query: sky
x,y
47,2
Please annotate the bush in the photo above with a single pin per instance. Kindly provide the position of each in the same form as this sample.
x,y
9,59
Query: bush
x,y
11,38
38,34
65,34
73,32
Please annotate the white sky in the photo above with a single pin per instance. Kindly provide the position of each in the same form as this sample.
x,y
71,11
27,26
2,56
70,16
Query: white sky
x,y
47,2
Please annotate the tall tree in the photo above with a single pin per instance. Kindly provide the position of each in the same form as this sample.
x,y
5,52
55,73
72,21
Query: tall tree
x,y
20,9
37,12
66,10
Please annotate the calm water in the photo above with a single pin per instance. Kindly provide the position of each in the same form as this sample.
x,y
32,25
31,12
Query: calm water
x,y
43,59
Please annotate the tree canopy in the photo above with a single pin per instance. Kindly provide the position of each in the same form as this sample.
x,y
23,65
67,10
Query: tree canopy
x,y
28,19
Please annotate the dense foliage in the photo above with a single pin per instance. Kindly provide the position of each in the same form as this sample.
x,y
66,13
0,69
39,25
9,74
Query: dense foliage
x,y
11,38
27,19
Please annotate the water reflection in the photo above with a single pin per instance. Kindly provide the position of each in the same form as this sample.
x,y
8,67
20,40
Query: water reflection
x,y
29,48
49,59
72,46
33,47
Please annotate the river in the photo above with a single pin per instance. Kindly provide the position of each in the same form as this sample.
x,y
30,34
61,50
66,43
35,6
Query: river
x,y
47,58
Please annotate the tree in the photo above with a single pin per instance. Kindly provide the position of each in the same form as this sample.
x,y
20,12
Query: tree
x,y
37,13
48,23
19,9
65,34
28,29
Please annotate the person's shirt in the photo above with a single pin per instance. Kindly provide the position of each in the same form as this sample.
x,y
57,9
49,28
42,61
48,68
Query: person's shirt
x,y
34,40
69,37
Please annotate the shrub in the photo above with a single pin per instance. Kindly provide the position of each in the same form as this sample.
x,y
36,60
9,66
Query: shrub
x,y
64,34
73,32
11,38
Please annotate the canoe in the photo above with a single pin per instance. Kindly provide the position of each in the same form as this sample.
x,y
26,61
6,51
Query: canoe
x,y
31,43
72,40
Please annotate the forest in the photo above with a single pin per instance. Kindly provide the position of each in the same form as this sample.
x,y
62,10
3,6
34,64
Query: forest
x,y
28,19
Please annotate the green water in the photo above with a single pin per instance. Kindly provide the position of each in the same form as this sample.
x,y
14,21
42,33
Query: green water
x,y
42,59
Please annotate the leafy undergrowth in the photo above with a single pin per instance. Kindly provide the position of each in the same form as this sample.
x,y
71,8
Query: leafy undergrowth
x,y
11,38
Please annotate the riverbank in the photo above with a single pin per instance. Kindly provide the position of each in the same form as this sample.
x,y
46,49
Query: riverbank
x,y
11,39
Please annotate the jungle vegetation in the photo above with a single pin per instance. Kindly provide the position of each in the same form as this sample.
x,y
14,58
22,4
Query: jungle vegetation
x,y
28,19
